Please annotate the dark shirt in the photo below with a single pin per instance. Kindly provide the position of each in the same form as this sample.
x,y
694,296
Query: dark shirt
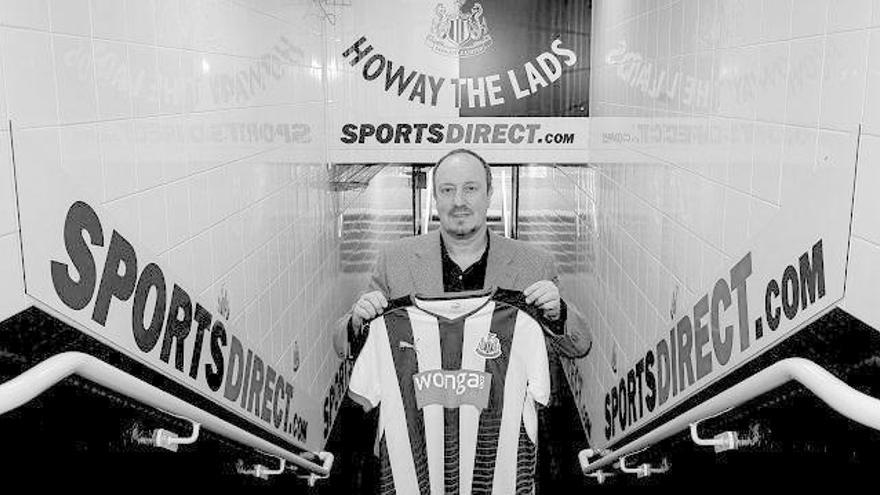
x,y
474,277
457,280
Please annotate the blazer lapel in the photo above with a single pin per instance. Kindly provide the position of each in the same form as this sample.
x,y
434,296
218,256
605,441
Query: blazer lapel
x,y
499,272
426,267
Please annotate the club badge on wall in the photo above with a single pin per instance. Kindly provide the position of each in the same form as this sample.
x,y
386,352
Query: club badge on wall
x,y
459,33
223,303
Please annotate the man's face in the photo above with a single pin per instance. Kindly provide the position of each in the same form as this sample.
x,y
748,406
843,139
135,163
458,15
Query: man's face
x,y
462,195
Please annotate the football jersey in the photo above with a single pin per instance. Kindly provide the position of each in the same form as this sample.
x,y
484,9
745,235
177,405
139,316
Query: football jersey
x,y
456,380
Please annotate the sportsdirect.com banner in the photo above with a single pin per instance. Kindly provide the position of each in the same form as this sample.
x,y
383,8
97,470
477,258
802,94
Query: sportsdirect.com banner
x,y
499,140
792,272
495,76
96,274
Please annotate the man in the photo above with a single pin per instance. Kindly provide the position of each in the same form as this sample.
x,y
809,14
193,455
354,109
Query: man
x,y
464,255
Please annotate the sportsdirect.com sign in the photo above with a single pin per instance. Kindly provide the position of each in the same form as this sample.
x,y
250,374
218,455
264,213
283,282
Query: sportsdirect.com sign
x,y
500,140
699,343
793,272
465,133
184,336
98,277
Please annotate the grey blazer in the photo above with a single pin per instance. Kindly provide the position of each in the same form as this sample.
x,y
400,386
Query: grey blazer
x,y
413,266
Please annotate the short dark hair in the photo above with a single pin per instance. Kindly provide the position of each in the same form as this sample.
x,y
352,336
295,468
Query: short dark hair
x,y
465,151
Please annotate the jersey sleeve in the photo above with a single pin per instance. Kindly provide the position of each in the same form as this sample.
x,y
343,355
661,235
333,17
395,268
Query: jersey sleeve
x,y
365,386
537,367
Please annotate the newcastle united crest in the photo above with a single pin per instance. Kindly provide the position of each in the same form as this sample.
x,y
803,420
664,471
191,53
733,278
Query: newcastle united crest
x,y
458,33
489,347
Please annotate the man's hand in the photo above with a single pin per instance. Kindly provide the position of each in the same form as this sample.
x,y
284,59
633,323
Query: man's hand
x,y
545,295
369,306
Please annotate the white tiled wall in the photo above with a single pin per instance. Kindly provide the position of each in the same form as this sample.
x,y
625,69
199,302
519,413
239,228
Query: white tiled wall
x,y
12,299
199,126
779,87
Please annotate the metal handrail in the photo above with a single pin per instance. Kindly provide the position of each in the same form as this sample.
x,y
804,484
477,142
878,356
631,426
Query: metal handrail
x,y
844,399
44,375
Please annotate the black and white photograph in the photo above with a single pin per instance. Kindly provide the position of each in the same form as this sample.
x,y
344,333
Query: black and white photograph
x,y
501,247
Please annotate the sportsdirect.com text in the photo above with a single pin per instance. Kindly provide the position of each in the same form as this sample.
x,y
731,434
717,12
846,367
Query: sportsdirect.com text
x,y
473,133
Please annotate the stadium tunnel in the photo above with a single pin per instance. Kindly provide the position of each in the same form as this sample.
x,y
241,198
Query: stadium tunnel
x,y
193,192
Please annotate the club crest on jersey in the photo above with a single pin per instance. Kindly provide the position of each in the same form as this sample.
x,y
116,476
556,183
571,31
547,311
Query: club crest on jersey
x,y
489,347
458,33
